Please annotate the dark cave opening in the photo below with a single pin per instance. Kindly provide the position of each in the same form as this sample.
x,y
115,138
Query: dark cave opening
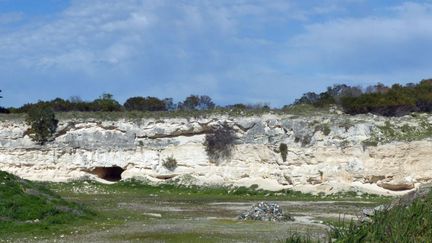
x,y
112,173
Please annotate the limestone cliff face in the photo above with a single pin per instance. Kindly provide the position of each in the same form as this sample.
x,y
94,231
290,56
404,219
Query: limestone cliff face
x,y
327,153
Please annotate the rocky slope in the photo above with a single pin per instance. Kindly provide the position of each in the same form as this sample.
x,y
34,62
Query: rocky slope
x,y
326,153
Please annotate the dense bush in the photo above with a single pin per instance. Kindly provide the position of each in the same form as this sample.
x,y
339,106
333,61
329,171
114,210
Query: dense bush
x,y
396,100
145,104
106,103
220,142
43,124
403,223
196,102
2,109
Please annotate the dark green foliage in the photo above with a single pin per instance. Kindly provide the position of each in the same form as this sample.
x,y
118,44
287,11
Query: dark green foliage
x,y
324,128
220,142
333,95
237,106
28,205
145,104
2,109
283,148
170,163
43,124
106,103
412,223
396,100
196,102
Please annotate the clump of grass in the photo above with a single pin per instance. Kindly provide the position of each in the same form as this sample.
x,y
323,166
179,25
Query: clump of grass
x,y
28,206
324,128
391,132
412,223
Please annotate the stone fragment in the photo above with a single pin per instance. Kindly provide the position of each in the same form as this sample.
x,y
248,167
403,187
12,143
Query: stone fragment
x,y
265,211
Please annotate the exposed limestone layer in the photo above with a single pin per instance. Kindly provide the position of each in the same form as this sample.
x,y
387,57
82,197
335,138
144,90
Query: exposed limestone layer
x,y
326,154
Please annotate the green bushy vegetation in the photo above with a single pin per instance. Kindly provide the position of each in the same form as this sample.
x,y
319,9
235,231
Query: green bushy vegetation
x,y
29,206
174,189
43,124
412,223
396,100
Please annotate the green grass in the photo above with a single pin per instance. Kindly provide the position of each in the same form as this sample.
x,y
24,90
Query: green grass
x,y
37,201
175,191
411,223
28,206
390,132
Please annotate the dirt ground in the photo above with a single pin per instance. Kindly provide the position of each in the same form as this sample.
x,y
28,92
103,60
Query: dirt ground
x,y
130,217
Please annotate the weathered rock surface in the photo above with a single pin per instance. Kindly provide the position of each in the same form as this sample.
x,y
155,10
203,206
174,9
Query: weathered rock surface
x,y
327,153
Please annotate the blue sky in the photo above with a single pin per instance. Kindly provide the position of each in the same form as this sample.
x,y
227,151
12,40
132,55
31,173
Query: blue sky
x,y
232,50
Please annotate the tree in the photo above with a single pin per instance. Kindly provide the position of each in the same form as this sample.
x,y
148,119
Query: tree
x,y
43,124
106,103
145,104
196,102
2,109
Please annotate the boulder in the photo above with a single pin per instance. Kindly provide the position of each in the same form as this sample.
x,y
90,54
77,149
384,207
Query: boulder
x,y
396,185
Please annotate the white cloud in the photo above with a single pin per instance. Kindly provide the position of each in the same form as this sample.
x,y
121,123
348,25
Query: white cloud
x,y
369,44
235,50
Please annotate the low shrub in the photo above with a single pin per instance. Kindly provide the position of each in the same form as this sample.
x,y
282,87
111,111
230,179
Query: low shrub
x,y
43,124
170,163
220,142
411,223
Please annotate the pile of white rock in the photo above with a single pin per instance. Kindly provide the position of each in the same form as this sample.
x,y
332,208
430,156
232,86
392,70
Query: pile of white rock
x,y
265,211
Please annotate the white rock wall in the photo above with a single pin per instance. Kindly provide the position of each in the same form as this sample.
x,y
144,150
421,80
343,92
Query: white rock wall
x,y
317,161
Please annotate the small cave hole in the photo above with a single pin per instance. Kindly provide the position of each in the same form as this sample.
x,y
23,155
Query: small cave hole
x,y
112,173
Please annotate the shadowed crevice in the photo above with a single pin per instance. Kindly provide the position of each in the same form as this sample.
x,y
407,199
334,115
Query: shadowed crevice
x,y
112,173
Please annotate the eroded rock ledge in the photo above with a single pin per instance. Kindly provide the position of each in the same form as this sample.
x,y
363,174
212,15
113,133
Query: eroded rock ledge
x,y
327,154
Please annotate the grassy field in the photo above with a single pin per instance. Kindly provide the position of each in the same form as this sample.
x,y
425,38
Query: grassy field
x,y
27,206
133,211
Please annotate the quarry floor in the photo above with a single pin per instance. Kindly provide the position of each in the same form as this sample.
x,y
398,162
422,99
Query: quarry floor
x,y
142,216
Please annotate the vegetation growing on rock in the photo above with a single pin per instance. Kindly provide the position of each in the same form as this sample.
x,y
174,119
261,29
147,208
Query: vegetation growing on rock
x,y
170,163
283,148
43,124
219,143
